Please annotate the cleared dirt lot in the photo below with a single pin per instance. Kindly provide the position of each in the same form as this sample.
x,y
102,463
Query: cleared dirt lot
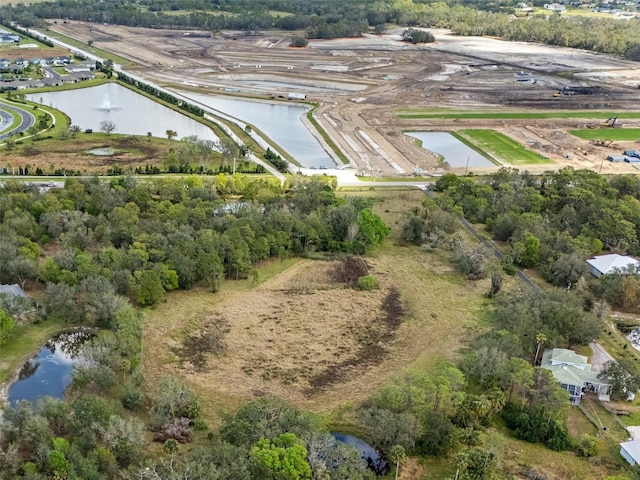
x,y
361,82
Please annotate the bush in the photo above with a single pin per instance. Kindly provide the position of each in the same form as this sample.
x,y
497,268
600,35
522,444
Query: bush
x,y
587,447
132,398
368,282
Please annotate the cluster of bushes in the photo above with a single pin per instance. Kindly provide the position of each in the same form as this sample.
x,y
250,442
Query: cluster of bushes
x,y
276,160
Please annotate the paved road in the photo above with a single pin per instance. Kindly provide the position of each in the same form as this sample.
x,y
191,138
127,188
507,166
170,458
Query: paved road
x,y
26,120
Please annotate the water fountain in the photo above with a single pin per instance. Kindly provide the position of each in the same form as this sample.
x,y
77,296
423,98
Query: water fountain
x,y
107,106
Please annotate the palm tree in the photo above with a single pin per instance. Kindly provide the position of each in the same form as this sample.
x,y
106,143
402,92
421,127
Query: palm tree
x,y
541,338
396,455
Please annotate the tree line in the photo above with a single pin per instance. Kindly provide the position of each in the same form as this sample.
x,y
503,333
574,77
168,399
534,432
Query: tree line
x,y
333,19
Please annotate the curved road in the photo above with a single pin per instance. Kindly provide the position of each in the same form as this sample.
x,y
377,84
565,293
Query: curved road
x,y
27,120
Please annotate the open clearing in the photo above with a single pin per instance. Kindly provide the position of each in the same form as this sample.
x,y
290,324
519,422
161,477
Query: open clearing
x,y
502,147
310,339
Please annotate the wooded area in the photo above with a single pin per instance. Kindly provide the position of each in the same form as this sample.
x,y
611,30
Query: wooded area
x,y
334,19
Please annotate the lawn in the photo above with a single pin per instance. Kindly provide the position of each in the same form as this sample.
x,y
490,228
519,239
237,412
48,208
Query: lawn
x,y
621,134
25,342
502,147
452,114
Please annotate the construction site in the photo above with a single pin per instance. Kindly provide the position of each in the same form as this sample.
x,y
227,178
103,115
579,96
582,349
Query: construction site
x,y
363,86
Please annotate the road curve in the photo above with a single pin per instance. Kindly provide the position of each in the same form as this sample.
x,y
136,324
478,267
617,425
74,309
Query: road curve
x,y
27,120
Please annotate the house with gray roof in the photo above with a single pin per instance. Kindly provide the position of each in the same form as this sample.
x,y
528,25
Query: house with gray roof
x,y
630,451
611,264
574,374
13,290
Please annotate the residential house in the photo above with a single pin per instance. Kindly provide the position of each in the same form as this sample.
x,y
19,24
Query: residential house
x,y
574,374
555,7
13,290
630,451
52,82
612,263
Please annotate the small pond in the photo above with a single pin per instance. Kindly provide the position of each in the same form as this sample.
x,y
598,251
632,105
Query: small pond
x,y
280,122
102,152
132,113
369,454
49,372
455,153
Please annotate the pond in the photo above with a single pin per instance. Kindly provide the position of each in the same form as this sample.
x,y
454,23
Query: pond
x,y
280,122
367,452
49,372
132,113
455,153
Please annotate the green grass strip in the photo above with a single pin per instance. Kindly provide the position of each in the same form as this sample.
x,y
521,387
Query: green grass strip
x,y
325,136
628,134
502,147
475,147
448,114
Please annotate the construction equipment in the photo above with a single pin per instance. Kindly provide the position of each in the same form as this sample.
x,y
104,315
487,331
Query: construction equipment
x,y
610,122
602,143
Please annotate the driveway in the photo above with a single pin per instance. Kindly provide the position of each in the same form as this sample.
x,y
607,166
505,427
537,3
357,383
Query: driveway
x,y
600,357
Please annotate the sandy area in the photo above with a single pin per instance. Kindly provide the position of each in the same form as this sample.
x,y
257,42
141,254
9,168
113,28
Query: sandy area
x,y
360,83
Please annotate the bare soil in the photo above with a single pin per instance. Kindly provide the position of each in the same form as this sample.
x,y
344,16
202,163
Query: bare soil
x,y
359,84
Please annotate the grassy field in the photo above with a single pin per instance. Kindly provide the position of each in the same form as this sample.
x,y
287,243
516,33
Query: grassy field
x,y
277,342
451,114
621,134
502,147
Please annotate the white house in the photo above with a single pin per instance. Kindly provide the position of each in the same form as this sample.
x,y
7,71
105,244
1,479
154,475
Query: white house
x,y
12,290
630,451
554,7
612,263
573,373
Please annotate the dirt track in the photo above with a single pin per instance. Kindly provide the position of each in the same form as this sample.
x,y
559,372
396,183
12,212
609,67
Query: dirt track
x,y
361,82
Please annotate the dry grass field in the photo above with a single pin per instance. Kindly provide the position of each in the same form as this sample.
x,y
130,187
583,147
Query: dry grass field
x,y
304,336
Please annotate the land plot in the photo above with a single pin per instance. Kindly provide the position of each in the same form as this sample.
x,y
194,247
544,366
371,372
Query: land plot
x,y
309,339
621,134
502,147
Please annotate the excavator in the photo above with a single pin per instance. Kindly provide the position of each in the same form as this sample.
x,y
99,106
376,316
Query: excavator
x,y
610,122
602,143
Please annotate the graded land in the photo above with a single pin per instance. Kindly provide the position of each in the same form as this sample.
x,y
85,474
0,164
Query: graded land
x,y
363,84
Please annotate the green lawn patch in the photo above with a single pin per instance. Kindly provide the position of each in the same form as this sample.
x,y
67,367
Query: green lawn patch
x,y
451,114
622,134
502,147
24,343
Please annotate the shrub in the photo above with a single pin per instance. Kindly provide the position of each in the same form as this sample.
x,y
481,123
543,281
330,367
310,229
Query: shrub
x,y
588,446
368,282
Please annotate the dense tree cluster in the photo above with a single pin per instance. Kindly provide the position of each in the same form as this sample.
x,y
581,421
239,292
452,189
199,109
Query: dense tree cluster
x,y
333,18
140,239
555,222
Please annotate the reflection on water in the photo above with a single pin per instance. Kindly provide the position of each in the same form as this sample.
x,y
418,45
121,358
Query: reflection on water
x,y
280,122
132,113
49,372
455,153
